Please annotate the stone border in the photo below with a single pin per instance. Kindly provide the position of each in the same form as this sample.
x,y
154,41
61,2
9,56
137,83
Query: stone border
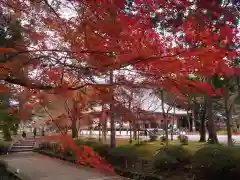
x,y
13,171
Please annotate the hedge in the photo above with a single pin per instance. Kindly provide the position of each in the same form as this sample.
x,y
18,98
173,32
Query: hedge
x,y
100,148
173,157
217,162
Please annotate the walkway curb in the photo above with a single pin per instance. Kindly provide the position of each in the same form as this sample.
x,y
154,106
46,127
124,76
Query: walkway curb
x,y
15,172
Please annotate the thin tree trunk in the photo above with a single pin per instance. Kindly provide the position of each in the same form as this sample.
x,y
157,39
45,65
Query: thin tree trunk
x,y
174,116
105,131
164,117
228,112
138,136
229,129
130,122
188,120
99,132
120,128
74,128
130,129
135,133
202,128
112,119
211,126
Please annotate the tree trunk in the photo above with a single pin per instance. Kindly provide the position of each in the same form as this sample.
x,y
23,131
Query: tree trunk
x,y
211,126
174,116
202,128
112,119
166,128
130,121
113,131
74,128
120,128
130,129
188,120
105,131
228,111
229,129
138,136
99,132
135,133
164,117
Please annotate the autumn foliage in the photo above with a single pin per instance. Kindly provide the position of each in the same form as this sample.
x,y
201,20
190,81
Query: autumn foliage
x,y
83,155
109,38
67,44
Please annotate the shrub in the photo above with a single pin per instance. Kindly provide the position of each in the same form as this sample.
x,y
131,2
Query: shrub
x,y
68,153
56,147
120,154
217,162
153,137
100,148
163,139
50,146
80,142
3,148
124,151
45,146
183,139
171,158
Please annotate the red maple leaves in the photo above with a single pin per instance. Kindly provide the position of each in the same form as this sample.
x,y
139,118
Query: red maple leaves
x,y
84,155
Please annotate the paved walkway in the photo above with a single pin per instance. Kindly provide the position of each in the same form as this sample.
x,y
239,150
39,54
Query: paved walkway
x,y
33,166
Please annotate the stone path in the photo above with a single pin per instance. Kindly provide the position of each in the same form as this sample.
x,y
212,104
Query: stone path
x,y
33,166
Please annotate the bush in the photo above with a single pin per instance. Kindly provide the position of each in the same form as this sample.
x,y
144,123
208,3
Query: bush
x,y
56,147
153,137
47,146
122,155
68,153
163,139
217,162
3,148
183,139
171,158
124,150
100,148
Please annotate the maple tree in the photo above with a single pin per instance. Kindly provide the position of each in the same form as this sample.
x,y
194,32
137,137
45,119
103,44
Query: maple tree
x,y
204,39
98,37
116,29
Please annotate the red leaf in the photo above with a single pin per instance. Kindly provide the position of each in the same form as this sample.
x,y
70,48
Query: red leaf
x,y
7,50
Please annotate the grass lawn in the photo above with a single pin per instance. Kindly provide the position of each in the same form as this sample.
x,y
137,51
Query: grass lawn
x,y
224,132
119,141
149,149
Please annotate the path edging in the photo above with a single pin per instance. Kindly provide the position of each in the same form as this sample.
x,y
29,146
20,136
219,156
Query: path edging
x,y
19,175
